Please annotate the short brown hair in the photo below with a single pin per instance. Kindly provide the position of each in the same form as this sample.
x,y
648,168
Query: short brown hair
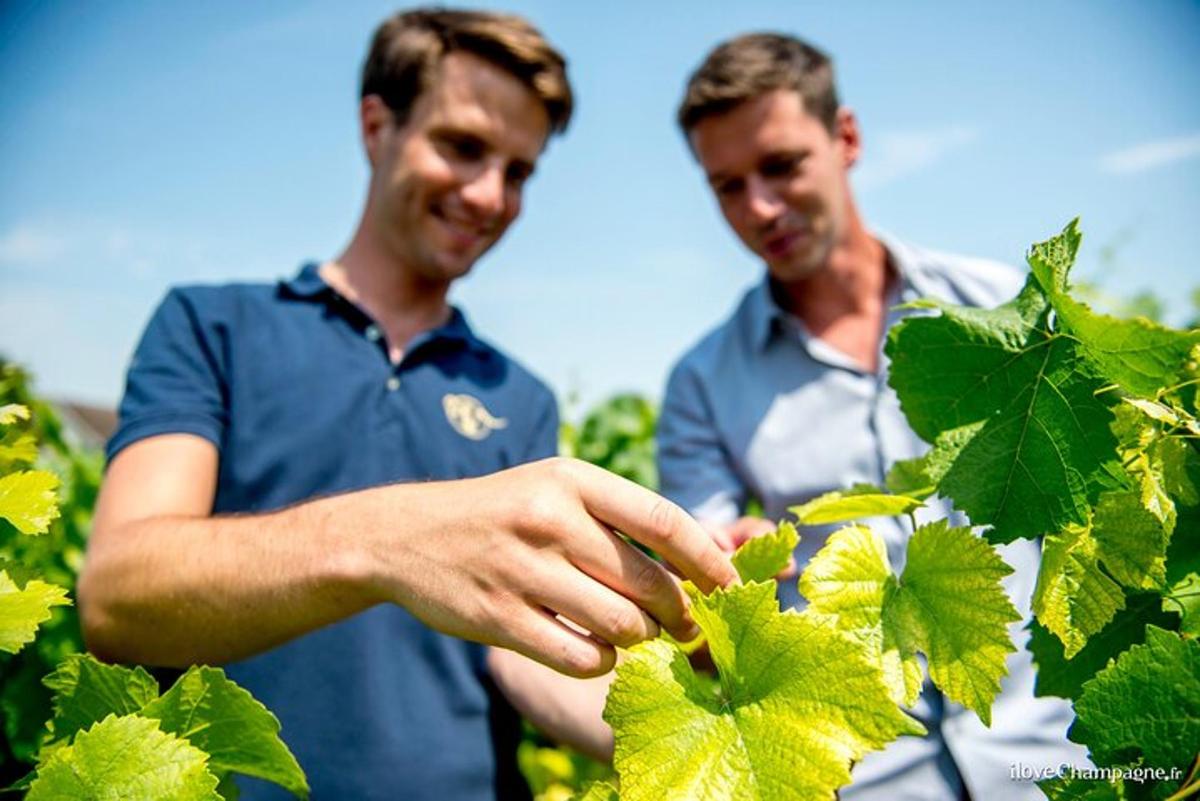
x,y
408,47
754,64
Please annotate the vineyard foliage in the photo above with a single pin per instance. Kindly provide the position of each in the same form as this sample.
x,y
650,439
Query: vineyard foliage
x,y
1046,420
90,730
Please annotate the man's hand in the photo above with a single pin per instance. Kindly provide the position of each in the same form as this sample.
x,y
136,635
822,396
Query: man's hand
x,y
512,555
526,559
732,536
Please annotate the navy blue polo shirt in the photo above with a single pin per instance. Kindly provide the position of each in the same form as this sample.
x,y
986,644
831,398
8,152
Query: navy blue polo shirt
x,y
293,384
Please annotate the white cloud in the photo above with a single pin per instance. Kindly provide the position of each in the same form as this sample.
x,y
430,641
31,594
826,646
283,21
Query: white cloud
x,y
27,245
1148,155
893,155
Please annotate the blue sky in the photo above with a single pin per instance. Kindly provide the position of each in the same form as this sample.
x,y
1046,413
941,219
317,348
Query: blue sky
x,y
147,144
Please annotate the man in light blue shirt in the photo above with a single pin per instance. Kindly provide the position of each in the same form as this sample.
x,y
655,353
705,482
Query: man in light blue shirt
x,y
788,399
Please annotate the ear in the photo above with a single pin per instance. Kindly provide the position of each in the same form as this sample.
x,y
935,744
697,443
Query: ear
x,y
847,134
376,122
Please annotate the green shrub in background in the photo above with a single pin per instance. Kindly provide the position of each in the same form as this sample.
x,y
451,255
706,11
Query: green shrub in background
x,y
90,730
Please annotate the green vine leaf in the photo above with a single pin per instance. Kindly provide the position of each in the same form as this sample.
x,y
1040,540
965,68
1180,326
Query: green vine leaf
x,y
948,603
127,759
28,500
1083,568
1141,356
1074,598
86,691
761,558
12,412
1146,705
1044,449
920,477
858,502
1072,789
598,791
798,702
23,610
238,733
1062,677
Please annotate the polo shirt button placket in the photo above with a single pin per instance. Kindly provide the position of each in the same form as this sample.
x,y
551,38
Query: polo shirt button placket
x,y
393,384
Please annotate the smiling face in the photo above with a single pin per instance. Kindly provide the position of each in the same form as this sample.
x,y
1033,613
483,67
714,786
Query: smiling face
x,y
447,184
780,178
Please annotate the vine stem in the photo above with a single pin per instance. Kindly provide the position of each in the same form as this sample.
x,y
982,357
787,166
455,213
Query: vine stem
x,y
1189,786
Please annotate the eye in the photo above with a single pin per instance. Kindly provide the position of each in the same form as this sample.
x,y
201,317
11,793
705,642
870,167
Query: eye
x,y
782,166
464,147
517,174
729,187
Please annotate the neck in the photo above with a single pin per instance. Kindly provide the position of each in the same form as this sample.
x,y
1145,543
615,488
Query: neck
x,y
853,280
402,302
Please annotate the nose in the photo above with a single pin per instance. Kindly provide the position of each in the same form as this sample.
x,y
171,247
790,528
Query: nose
x,y
484,194
763,203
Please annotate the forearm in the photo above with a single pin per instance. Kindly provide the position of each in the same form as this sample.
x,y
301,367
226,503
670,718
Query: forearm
x,y
567,710
176,590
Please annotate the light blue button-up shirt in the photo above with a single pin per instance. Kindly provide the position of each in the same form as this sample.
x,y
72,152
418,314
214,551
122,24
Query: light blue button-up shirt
x,y
762,409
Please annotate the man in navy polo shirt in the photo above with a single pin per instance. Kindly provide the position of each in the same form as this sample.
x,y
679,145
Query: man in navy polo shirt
x,y
330,484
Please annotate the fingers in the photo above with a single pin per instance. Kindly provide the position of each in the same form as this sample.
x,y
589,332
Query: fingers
x,y
656,523
721,536
617,564
608,615
540,636
747,528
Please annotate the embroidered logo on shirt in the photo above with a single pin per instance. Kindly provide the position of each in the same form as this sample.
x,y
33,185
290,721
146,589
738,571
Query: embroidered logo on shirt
x,y
468,416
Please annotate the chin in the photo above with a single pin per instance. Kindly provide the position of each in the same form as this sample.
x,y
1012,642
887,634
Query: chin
x,y
794,270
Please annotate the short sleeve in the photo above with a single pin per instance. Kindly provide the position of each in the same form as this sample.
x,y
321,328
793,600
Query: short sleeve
x,y
175,383
543,440
693,464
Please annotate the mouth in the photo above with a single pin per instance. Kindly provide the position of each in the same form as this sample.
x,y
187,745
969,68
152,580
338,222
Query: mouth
x,y
783,243
464,233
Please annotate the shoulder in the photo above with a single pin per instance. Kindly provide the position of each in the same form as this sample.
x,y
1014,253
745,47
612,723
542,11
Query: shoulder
x,y
217,300
958,278
518,379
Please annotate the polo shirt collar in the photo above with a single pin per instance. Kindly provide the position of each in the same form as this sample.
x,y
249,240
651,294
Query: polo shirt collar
x,y
767,318
309,285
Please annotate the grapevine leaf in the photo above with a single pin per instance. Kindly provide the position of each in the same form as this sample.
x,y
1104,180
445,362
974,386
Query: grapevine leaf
x,y
920,477
12,412
18,448
850,580
1164,413
1074,598
1131,540
238,733
1062,677
1183,573
1146,704
1044,447
798,702
598,791
911,477
954,608
23,610
1141,356
760,558
87,691
861,500
126,758
28,501
1074,789
948,603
